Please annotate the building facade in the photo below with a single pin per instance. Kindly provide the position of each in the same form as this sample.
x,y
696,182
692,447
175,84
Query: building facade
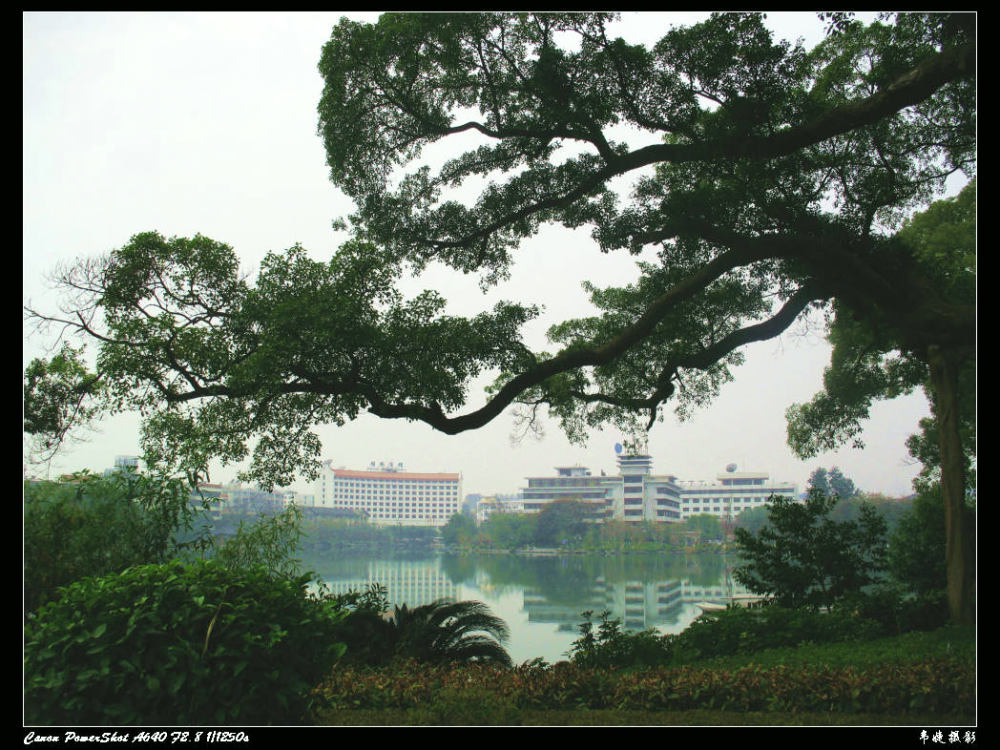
x,y
731,493
387,495
636,494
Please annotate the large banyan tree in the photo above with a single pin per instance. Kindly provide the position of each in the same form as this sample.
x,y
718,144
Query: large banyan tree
x,y
771,180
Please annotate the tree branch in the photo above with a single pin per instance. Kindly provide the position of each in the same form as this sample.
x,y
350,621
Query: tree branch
x,y
908,90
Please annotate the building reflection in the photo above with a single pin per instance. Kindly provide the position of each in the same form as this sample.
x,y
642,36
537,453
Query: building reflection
x,y
407,582
639,605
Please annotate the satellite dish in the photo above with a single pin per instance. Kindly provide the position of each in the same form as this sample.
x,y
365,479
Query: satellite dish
x,y
618,447
731,468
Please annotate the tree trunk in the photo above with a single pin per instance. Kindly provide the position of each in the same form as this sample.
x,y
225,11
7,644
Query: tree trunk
x,y
959,534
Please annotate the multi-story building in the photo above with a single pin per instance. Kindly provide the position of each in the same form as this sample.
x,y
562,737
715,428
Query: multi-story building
x,y
636,494
570,483
641,495
732,493
388,495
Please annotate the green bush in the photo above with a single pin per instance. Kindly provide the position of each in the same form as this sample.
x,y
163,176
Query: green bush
x,y
613,646
434,694
179,644
95,526
897,611
743,631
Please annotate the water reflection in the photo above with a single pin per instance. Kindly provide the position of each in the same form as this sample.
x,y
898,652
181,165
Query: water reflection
x,y
542,598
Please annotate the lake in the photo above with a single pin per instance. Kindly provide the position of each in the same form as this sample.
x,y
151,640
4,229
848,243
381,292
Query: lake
x,y
542,598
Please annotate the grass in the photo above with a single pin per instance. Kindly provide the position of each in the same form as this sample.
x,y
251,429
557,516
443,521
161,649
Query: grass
x,y
946,643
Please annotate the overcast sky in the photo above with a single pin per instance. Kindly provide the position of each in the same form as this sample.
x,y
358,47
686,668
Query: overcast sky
x,y
190,123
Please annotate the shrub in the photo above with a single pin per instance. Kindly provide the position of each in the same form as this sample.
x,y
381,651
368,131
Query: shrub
x,y
95,526
179,644
899,612
434,694
743,631
613,646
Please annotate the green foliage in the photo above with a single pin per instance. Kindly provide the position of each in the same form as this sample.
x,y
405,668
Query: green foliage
x,y
269,542
446,630
869,362
767,189
752,519
832,482
892,509
738,630
178,644
509,530
803,558
563,522
917,548
180,305
94,526
749,632
898,610
940,685
708,526
614,647
440,632
59,394
467,705
322,535
460,531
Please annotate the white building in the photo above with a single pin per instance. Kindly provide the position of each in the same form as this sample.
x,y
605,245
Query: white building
x,y
732,493
388,495
636,494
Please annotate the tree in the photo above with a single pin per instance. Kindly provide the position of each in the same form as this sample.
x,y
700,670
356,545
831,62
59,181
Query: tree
x,y
709,527
917,547
510,530
439,632
752,519
460,530
58,396
803,558
832,482
562,521
770,183
869,362
91,526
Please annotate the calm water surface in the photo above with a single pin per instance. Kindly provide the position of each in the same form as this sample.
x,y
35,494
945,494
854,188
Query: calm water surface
x,y
542,598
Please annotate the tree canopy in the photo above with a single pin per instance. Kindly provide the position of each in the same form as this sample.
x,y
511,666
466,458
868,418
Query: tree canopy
x,y
805,558
768,180
832,482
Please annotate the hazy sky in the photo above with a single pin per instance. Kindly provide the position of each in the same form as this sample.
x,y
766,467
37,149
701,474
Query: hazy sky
x,y
190,123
